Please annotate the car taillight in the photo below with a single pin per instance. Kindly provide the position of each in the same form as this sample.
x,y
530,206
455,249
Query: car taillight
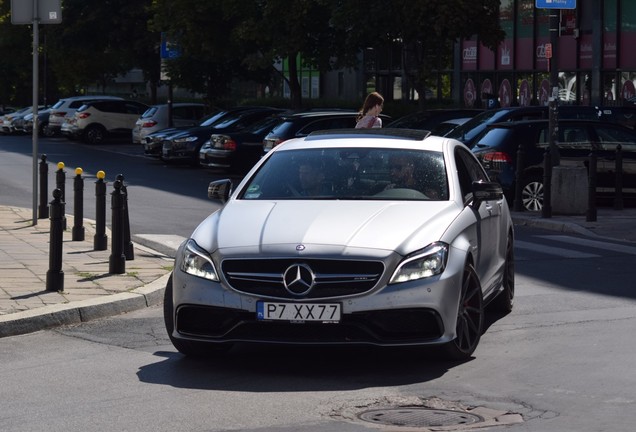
x,y
84,115
149,124
497,157
229,144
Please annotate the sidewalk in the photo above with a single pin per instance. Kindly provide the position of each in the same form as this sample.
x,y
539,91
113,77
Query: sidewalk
x,y
90,292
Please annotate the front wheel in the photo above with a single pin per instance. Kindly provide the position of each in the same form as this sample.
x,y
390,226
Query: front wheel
x,y
470,318
532,193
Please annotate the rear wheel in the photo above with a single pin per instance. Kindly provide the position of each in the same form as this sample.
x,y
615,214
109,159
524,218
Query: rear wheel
x,y
504,302
95,134
188,348
470,318
532,193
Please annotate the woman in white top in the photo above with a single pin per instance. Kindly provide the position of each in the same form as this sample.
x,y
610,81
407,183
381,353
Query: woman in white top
x,y
370,112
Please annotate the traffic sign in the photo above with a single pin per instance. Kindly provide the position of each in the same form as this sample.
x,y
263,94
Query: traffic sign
x,y
555,4
46,12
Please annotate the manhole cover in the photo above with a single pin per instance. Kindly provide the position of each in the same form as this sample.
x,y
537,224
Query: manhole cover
x,y
419,417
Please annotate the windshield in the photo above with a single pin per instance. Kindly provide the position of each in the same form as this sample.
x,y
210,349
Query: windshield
x,y
469,130
350,174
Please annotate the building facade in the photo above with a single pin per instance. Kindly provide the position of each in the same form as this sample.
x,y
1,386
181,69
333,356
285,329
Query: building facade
x,y
592,58
593,54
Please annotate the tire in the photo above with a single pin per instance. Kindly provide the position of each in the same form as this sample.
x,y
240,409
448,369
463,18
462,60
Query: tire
x,y
45,131
504,302
95,134
470,318
532,193
187,348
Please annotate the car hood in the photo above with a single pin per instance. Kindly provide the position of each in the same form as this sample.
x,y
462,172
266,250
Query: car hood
x,y
325,227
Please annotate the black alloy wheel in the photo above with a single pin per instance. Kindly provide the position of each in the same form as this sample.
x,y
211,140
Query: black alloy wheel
x,y
470,318
504,302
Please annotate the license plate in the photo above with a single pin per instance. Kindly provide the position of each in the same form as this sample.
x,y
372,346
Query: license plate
x,y
298,312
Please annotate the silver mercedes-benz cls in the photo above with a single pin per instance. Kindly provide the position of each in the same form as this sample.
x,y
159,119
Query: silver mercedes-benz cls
x,y
386,237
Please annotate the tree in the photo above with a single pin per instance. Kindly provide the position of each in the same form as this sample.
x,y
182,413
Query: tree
x,y
425,29
16,61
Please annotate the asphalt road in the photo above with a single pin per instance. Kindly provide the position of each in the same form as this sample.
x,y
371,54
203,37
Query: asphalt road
x,y
162,199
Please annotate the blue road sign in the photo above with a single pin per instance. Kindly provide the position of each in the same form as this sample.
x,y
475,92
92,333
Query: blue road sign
x,y
556,4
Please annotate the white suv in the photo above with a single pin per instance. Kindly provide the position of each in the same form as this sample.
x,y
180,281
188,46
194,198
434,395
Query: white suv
x,y
95,121
65,108
156,118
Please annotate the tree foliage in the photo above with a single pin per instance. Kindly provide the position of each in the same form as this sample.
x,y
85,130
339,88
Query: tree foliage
x,y
221,41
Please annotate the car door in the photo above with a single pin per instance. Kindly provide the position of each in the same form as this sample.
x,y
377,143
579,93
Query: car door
x,y
609,137
491,245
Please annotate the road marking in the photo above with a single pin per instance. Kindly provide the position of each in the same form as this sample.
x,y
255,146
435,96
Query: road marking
x,y
551,250
631,250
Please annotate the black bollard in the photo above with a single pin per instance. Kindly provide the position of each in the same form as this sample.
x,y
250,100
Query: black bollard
x,y
518,203
590,215
78,206
55,275
546,209
100,239
43,208
117,260
129,248
618,191
60,183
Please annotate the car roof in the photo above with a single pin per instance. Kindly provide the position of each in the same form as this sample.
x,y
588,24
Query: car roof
x,y
378,137
311,114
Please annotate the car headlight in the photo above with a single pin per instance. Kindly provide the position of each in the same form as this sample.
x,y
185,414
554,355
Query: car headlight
x,y
197,262
430,262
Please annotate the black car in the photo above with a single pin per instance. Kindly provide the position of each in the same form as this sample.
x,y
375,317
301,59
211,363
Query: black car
x,y
429,119
301,124
497,149
237,151
184,146
469,131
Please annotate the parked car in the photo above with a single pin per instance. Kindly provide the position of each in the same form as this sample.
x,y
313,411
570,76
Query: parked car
x,y
429,119
156,118
65,108
153,142
185,146
498,146
237,151
43,121
349,260
12,123
445,127
96,121
469,131
301,124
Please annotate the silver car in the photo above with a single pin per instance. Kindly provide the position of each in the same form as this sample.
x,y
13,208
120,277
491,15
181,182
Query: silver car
x,y
385,237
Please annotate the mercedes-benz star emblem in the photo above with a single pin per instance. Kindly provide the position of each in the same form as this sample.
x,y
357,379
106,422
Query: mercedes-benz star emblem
x,y
298,279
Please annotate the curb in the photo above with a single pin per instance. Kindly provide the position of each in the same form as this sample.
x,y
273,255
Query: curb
x,y
77,312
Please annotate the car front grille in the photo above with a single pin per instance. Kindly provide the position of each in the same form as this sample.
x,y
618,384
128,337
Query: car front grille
x,y
380,327
332,278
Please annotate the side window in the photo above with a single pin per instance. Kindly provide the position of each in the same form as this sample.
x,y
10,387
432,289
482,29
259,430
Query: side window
x,y
609,138
468,171
180,113
575,137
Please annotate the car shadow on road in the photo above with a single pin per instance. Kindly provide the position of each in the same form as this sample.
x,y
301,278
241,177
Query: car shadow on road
x,y
258,368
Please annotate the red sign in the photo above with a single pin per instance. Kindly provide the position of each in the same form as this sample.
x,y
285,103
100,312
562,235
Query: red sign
x,y
548,50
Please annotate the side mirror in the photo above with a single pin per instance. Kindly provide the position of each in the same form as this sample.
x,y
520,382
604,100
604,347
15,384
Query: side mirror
x,y
220,190
486,191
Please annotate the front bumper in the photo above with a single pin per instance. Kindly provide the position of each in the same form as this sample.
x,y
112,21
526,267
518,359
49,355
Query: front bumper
x,y
421,312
